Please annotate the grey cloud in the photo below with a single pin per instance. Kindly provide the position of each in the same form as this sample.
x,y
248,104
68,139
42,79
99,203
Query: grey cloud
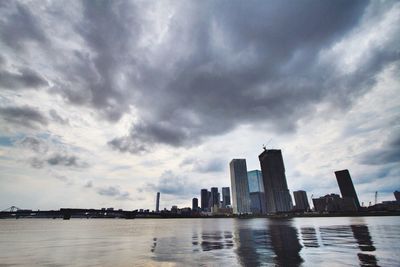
x,y
127,144
24,116
19,25
113,191
171,184
23,79
89,184
50,152
247,63
36,144
58,160
57,118
389,153
65,160
110,30
37,163
63,178
215,66
204,166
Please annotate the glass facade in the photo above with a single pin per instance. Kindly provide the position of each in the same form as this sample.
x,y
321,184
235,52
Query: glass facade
x,y
240,186
255,181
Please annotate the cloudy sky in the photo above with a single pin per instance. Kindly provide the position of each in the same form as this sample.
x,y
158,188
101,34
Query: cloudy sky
x,y
104,103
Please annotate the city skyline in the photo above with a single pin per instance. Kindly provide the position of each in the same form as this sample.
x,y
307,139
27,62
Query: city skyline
x,y
105,104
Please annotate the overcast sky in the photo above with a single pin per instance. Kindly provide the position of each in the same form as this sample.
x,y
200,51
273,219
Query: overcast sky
x,y
104,103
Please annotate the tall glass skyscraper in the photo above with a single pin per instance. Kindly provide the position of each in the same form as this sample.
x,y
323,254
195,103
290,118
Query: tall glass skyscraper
x,y
257,194
226,197
255,181
277,194
240,186
204,199
214,197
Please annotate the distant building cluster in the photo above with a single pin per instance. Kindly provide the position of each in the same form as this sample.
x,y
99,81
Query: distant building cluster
x,y
265,192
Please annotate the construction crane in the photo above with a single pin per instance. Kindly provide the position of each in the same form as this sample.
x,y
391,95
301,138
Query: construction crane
x,y
265,145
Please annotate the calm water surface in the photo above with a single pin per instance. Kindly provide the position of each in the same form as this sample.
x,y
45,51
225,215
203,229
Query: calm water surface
x,y
368,241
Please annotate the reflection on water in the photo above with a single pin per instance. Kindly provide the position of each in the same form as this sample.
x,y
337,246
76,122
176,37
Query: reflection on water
x,y
212,240
197,242
285,244
309,237
247,242
337,236
364,240
276,244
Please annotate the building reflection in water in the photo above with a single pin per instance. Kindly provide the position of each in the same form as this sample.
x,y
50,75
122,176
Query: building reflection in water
x,y
344,236
216,240
277,244
337,235
309,237
285,243
266,242
364,241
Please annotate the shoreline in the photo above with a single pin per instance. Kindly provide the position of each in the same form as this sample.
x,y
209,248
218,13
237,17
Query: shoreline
x,y
132,215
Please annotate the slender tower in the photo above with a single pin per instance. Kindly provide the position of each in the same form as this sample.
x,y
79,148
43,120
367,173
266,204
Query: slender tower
x,y
158,202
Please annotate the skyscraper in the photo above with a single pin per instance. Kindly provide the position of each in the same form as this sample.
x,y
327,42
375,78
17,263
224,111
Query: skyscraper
x,y
346,186
226,197
275,186
240,186
195,204
300,197
158,202
396,195
256,189
214,197
209,205
204,199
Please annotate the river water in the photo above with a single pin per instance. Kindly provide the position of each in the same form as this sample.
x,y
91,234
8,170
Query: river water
x,y
345,241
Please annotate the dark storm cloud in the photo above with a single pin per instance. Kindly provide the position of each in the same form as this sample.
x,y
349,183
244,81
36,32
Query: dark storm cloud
x,y
20,25
109,29
247,63
389,153
200,69
24,116
172,184
113,191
